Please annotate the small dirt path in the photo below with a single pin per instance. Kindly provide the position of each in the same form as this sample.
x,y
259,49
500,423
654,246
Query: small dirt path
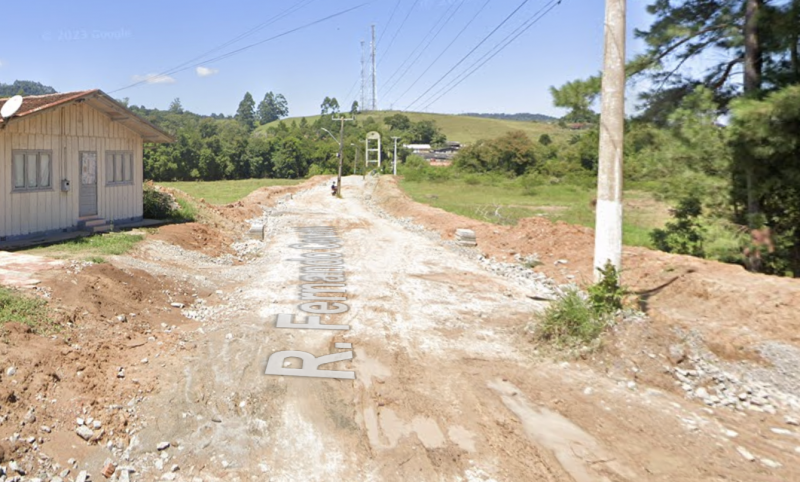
x,y
446,386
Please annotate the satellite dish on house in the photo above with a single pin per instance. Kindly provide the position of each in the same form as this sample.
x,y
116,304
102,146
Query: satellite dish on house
x,y
11,106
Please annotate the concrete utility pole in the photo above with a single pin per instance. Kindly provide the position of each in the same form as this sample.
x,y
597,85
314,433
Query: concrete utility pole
x,y
342,120
374,73
394,159
608,224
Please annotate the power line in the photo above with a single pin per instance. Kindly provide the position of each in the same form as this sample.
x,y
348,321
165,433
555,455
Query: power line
x,y
524,2
391,17
253,30
493,52
391,42
441,23
445,49
247,47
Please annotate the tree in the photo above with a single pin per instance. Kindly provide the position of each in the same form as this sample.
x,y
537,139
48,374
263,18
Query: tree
x,y
354,108
765,139
246,113
427,132
578,96
175,106
398,122
272,108
329,106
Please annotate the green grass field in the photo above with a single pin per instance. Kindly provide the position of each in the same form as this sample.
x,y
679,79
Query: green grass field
x,y
505,202
90,248
460,128
224,192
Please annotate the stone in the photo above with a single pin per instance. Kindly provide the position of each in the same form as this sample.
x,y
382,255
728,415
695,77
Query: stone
x,y
216,419
169,476
701,393
13,466
676,354
85,432
163,446
57,479
177,305
122,318
730,433
64,473
97,424
45,429
791,421
781,431
771,463
745,453
175,468
83,476
80,421
108,470
11,371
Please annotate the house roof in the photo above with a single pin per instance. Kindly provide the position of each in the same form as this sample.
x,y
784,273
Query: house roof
x,y
36,104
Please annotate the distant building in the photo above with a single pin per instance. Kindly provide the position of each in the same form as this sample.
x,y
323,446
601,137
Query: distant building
x,y
418,148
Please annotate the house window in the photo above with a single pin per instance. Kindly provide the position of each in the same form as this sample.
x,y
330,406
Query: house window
x,y
119,167
31,170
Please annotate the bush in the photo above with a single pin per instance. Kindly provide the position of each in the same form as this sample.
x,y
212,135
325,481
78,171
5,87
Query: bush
x,y
577,319
157,204
606,295
570,319
685,235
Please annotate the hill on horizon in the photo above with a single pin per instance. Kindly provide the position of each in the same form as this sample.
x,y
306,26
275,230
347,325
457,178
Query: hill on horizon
x,y
522,117
459,128
26,87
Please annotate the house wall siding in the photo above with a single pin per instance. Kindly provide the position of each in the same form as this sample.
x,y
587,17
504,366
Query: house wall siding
x,y
66,131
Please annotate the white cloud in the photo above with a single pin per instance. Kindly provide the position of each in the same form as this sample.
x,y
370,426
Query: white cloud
x,y
205,71
154,79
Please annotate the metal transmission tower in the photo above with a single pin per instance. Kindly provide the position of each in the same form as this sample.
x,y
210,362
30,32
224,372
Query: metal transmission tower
x,y
608,226
362,100
374,105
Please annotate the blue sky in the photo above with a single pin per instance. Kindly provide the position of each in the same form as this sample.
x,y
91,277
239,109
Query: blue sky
x,y
84,44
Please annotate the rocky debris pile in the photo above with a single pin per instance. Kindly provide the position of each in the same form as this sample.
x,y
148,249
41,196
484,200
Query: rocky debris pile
x,y
701,377
194,257
466,237
76,266
248,249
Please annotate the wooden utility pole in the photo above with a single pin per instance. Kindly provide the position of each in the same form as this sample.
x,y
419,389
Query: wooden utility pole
x,y
394,159
608,224
342,120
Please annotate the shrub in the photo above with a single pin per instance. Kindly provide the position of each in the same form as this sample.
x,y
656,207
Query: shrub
x,y
685,235
575,319
529,182
606,295
157,204
570,319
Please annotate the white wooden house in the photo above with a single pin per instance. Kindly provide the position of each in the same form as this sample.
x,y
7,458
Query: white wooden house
x,y
71,161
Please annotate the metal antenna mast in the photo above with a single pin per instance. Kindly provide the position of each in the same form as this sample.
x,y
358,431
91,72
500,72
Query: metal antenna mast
x,y
374,73
362,101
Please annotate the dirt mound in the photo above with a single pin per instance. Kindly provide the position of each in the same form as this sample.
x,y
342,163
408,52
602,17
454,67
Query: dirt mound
x,y
732,308
109,321
196,237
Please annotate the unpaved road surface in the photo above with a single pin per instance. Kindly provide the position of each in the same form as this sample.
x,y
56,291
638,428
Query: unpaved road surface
x,y
447,385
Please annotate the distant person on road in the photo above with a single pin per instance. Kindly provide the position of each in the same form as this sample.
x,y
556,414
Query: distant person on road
x,y
333,188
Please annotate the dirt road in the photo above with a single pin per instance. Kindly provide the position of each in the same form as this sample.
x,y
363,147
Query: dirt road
x,y
447,385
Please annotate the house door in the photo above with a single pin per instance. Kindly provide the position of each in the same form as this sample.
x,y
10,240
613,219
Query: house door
x,y
88,188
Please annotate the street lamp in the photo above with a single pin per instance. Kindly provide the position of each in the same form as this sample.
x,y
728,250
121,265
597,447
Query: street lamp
x,y
339,155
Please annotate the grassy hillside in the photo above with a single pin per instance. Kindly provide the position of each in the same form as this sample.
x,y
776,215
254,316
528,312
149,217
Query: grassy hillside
x,y
461,128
